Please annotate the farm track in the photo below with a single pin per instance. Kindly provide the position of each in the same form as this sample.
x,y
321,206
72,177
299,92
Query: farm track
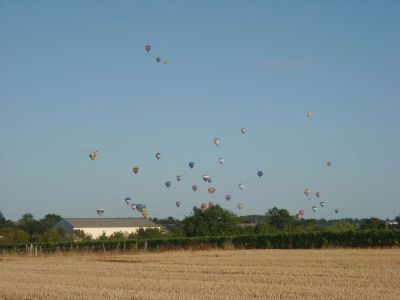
x,y
214,274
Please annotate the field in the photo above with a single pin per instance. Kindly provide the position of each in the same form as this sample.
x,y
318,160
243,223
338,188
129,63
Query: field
x,y
214,274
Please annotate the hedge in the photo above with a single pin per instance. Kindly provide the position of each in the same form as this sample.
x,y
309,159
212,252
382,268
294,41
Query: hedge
x,y
308,240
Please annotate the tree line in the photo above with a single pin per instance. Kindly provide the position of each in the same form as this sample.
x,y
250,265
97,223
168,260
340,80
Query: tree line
x,y
213,221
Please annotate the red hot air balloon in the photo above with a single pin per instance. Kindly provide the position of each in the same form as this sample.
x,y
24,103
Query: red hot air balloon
x,y
211,190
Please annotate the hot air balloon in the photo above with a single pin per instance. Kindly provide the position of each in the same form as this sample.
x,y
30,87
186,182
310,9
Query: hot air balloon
x,y
158,155
322,203
301,212
318,194
228,197
240,205
100,212
133,206
211,190
205,178
209,180
194,188
145,214
221,160
127,200
135,170
217,141
309,114
178,203
179,177
336,211
168,184
314,208
148,48
203,206
243,130
241,186
158,59
93,155
329,163
210,204
140,207
165,62
260,173
307,192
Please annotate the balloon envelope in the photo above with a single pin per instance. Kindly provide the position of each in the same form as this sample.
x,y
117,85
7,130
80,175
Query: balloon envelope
x,y
203,206
307,192
210,203
228,197
135,170
209,180
205,178
127,200
178,203
314,208
309,114
191,165
322,203
158,155
336,210
179,177
301,212
211,190
221,160
145,213
329,163
241,186
217,141
168,184
100,212
194,188
158,59
243,130
260,173
93,155
240,205
133,206
148,48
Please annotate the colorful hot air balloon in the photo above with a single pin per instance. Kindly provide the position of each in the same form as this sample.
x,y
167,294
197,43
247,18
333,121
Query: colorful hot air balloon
x,y
194,188
100,212
240,205
241,186
210,204
336,211
211,190
217,141
127,200
314,208
301,212
168,184
307,192
221,160
309,114
178,203
191,165
158,155
205,178
93,155
179,178
148,48
140,207
318,194
322,203
243,130
145,214
135,170
203,206
260,173
158,59
228,197
133,206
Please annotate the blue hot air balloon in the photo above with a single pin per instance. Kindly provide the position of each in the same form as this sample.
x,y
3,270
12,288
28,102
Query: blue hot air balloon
x,y
191,165
260,173
168,184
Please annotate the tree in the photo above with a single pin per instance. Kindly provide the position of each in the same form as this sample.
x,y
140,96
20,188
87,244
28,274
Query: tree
x,y
213,221
49,221
373,223
280,219
343,225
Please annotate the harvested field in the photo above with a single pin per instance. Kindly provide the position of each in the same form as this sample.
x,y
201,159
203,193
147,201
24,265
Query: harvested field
x,y
215,274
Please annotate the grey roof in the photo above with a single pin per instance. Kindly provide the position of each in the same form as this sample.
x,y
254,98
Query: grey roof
x,y
110,222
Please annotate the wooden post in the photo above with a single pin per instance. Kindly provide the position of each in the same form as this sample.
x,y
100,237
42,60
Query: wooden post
x,y
104,249
124,248
35,250
145,246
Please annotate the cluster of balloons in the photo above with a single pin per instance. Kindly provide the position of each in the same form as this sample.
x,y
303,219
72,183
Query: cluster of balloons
x,y
139,207
148,48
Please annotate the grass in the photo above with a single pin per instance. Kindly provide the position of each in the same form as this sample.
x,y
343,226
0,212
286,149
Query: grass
x,y
214,274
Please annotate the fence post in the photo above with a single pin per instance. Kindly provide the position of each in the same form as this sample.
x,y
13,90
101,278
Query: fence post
x,y
35,250
104,249
124,248
145,246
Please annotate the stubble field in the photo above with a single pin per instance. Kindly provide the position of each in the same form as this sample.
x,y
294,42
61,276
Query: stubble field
x,y
215,274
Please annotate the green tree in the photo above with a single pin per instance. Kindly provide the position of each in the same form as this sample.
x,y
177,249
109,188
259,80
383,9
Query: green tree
x,y
149,233
80,235
373,223
280,219
49,221
212,221
344,225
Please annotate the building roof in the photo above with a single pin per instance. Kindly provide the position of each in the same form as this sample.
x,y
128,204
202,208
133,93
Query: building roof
x,y
110,222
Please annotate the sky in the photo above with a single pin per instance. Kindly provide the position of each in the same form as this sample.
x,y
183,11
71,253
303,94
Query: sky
x,y
75,77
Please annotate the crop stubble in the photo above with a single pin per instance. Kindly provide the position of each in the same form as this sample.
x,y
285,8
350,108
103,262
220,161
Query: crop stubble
x,y
215,274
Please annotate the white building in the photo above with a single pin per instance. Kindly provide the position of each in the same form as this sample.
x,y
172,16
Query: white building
x,y
96,226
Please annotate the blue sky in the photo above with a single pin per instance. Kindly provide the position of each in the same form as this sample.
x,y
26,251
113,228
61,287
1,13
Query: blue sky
x,y
74,77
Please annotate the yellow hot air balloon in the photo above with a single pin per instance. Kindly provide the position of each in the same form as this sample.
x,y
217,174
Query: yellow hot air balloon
x,y
309,114
93,155
145,213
